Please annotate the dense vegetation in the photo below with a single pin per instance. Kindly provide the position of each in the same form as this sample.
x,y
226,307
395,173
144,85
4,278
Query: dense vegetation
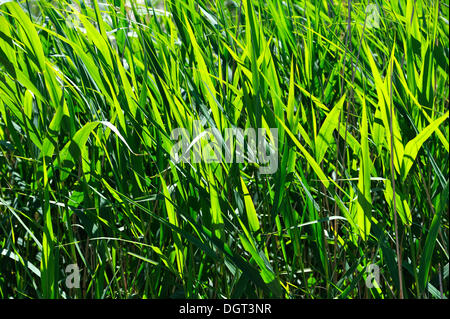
x,y
90,93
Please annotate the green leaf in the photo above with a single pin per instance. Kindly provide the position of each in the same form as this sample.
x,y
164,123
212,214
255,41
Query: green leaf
x,y
364,207
402,205
430,242
316,168
325,136
250,209
413,146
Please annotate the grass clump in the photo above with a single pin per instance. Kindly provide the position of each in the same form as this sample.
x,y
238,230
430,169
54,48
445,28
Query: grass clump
x,y
90,93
